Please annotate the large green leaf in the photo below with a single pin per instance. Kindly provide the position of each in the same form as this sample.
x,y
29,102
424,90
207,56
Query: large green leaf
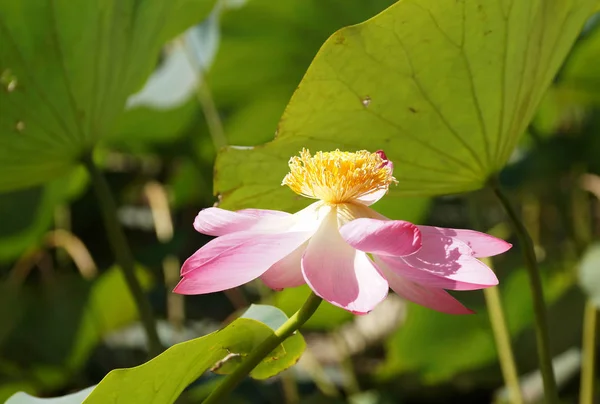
x,y
284,356
67,67
580,79
11,309
141,128
578,85
166,108
275,43
47,323
445,87
27,214
52,330
162,379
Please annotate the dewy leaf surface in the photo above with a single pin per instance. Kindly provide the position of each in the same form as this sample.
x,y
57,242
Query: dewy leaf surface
x,y
445,87
66,69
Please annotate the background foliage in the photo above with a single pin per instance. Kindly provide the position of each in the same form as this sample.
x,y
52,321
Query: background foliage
x,y
159,87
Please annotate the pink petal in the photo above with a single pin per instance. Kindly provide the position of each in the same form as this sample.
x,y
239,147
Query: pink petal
x,y
237,258
218,222
429,278
483,245
384,237
449,258
433,298
287,272
340,274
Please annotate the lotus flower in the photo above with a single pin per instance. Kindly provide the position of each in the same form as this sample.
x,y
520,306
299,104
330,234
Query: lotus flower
x,y
346,252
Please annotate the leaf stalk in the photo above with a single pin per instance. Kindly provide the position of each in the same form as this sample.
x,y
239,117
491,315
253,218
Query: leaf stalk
x,y
537,294
123,254
256,356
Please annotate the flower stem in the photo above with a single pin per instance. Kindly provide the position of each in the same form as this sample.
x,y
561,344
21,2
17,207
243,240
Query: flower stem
x,y
535,285
256,356
123,255
586,394
502,338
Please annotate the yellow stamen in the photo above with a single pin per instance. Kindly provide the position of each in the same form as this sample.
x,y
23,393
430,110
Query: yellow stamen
x,y
338,177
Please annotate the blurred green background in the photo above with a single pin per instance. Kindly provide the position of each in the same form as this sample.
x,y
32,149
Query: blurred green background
x,y
66,317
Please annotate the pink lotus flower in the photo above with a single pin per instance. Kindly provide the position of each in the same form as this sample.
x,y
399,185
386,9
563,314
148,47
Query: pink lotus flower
x,y
347,253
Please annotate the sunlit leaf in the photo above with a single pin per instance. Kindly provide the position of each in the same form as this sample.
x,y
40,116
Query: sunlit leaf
x,y
162,379
66,69
275,43
268,315
284,356
445,87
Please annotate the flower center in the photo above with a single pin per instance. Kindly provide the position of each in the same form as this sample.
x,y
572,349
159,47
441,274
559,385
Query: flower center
x,y
337,177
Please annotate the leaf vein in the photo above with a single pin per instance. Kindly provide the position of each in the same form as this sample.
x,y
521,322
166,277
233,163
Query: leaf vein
x,y
34,84
436,109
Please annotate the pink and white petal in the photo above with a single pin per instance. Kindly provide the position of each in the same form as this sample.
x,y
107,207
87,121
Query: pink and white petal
x,y
218,222
370,198
428,278
482,244
263,212
348,212
237,258
287,272
433,298
382,237
340,274
450,258
311,217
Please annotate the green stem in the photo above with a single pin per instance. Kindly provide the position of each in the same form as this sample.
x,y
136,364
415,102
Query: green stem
x,y
207,103
586,394
537,294
502,338
256,356
498,321
583,236
123,255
